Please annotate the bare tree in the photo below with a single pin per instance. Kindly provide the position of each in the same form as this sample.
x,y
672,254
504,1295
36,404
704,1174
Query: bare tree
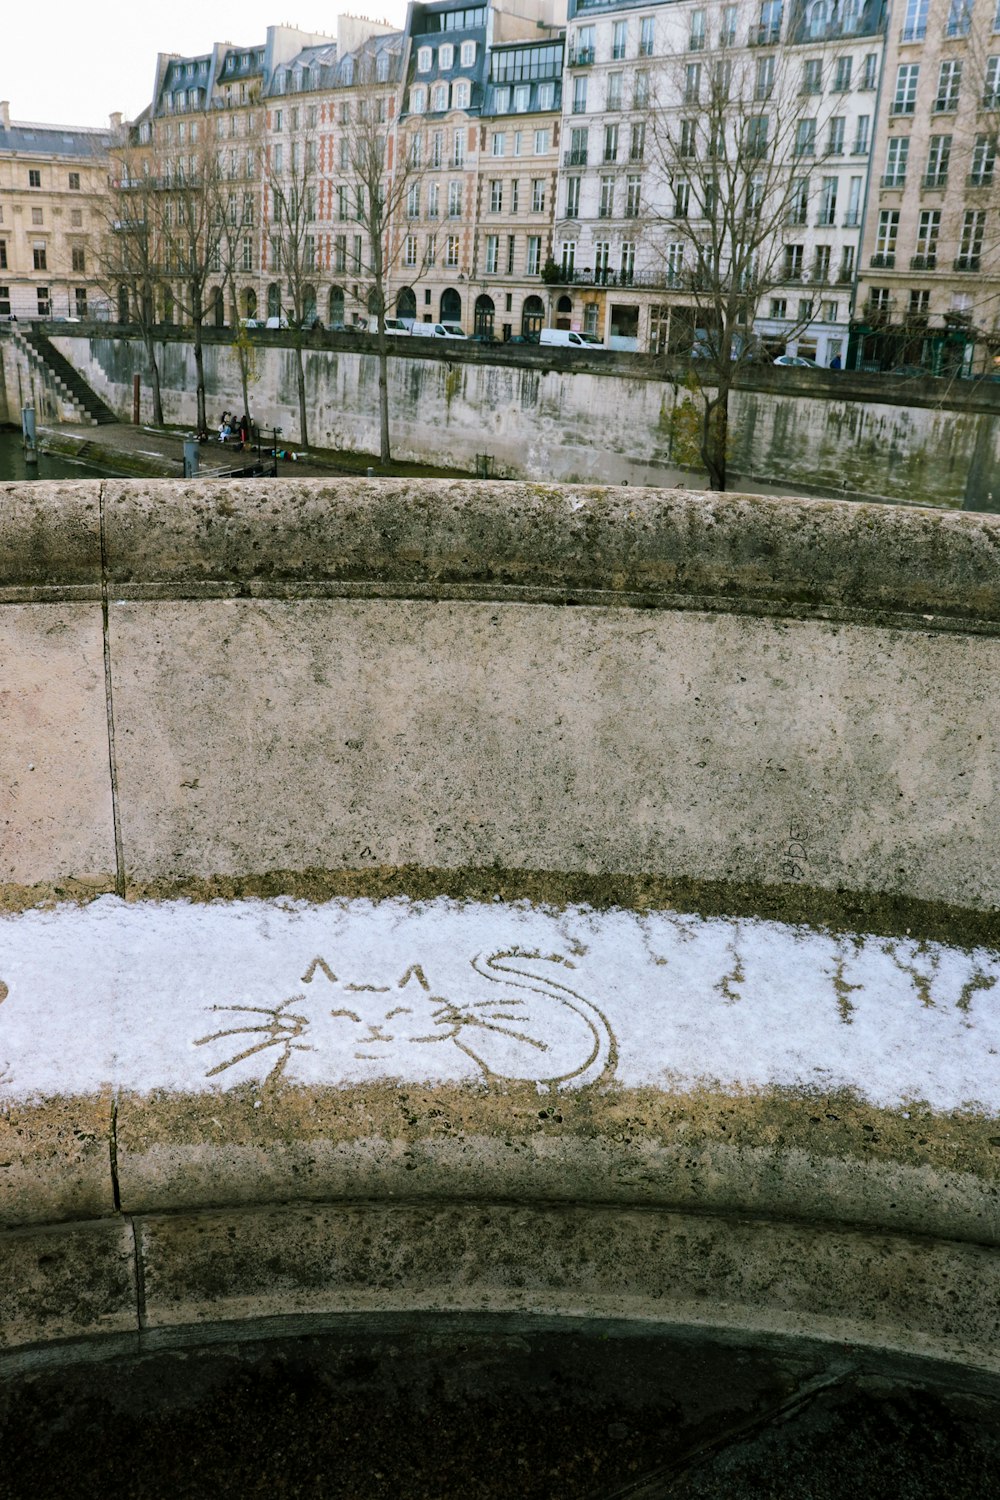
x,y
126,247
729,153
290,204
384,165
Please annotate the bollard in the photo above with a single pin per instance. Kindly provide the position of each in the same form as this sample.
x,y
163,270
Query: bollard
x,y
29,434
371,473
190,458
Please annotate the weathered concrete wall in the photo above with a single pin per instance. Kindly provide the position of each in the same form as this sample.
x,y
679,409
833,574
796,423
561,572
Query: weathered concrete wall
x,y
628,698
559,416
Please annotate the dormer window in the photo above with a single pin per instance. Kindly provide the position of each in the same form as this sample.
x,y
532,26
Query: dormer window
x,y
382,67
461,94
418,101
522,98
440,96
468,54
279,82
425,59
245,60
446,56
348,69
180,99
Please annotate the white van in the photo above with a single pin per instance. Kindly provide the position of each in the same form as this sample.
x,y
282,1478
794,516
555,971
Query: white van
x,y
565,338
437,331
392,325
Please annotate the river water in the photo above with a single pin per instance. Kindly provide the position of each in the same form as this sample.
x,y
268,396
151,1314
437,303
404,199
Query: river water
x,y
49,466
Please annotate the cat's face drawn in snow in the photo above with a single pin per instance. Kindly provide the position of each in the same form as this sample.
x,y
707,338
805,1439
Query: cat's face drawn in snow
x,y
511,1014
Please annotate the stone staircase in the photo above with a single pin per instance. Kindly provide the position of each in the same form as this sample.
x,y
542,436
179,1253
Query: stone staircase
x,y
57,371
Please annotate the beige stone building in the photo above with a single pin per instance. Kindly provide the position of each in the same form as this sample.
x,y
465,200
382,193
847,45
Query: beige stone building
x,y
53,186
929,283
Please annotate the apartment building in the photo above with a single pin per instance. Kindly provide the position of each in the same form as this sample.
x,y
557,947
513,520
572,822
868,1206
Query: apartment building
x,y
930,276
668,108
53,185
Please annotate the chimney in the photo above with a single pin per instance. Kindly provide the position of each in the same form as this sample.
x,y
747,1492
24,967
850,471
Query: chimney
x,y
4,113
116,120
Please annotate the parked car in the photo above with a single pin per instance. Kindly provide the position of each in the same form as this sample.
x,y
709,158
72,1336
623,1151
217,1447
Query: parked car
x,y
799,361
912,370
437,331
523,338
483,338
276,323
392,325
566,338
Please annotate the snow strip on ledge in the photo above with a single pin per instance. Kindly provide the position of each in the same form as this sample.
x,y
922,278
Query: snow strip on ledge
x,y
189,997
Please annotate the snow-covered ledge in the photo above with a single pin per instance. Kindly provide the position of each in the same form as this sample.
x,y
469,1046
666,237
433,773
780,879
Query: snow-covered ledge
x,y
493,898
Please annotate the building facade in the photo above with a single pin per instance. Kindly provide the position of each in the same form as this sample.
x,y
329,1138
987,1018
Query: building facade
x,y
53,188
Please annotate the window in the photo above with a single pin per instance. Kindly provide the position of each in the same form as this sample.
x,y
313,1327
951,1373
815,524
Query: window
x,y
433,200
949,85
888,230
869,76
842,75
78,258
692,83
36,216
682,199
696,35
430,253
991,84
501,101
439,97
585,44
756,138
511,248
5,301
828,202
468,54
764,85
971,247
247,260
577,148
779,307
572,197
606,208
568,258
637,145
646,36
340,252
805,309
895,162
446,56
39,256
627,261
546,96
3,255
805,138
517,142
862,134
928,231
541,142
959,18
580,96
413,201
522,98
821,264
515,195
458,149
905,98
812,76
614,91
727,33
769,30
425,58
496,196
915,21
688,143
611,143
793,263
410,250
492,254
618,38
418,101
451,250
983,161
497,143
831,311
534,264
454,200
437,148
920,306
798,201
835,138
846,273
34,178
44,302
74,182
538,195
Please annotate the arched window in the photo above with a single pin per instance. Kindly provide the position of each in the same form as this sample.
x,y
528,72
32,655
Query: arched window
x,y
484,314
274,300
406,303
451,306
818,18
336,304
532,316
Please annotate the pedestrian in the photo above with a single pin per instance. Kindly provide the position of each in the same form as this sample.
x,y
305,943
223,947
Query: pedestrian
x,y
835,363
244,430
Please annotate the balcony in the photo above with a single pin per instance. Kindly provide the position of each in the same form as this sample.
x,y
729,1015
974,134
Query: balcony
x,y
923,262
980,179
893,181
576,157
883,261
914,33
696,43
764,36
852,218
903,107
990,99
826,219
845,278
966,263
934,180
583,57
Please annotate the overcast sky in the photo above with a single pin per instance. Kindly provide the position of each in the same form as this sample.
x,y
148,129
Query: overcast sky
x,y
74,65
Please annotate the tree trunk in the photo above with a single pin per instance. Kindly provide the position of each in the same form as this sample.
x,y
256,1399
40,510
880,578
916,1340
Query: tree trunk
x,y
199,366
383,398
300,378
244,383
154,376
715,438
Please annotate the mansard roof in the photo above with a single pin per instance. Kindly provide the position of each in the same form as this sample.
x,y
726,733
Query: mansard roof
x,y
77,141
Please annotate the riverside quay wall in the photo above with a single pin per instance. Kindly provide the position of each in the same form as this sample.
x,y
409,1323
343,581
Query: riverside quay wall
x,y
501,900
565,415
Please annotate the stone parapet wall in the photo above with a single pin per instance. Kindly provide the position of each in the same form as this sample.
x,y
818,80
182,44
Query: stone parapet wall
x,y
534,900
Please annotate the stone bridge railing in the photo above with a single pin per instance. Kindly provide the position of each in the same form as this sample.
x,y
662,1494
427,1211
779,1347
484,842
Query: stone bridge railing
x,y
547,902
